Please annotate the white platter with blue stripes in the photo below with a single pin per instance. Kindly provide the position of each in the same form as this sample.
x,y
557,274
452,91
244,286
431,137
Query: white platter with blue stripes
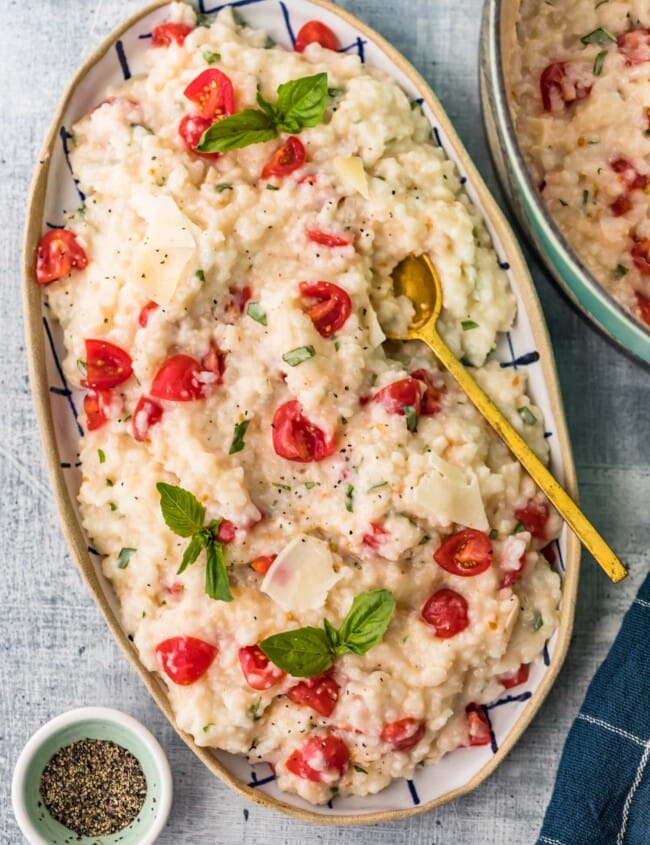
x,y
525,347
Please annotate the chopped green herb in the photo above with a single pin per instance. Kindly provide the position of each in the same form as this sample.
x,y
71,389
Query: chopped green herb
x,y
298,355
411,417
562,202
358,768
269,43
102,456
468,325
349,493
112,506
124,557
423,539
82,366
519,527
334,92
619,271
493,534
109,482
599,36
238,438
207,727
200,275
210,56
255,312
599,62
527,415
222,186
585,198
337,345
281,486
310,485
270,187
344,420
253,710
415,104
538,621
377,486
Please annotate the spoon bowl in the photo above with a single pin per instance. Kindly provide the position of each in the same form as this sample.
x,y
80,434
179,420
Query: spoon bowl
x,y
417,278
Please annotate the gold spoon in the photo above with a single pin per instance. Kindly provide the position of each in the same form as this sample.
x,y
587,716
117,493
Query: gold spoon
x,y
416,278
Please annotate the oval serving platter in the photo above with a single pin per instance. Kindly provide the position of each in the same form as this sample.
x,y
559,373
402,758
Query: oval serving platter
x,y
525,347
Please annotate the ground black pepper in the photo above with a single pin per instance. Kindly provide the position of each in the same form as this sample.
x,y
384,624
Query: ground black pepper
x,y
94,787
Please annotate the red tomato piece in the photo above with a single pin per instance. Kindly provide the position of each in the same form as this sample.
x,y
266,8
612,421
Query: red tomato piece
x,y
166,33
215,362
258,670
564,83
320,693
263,563
643,304
96,406
321,758
147,414
178,380
315,32
640,253
146,312
635,46
404,733
512,575
185,659
287,158
376,536
212,92
628,174
107,365
620,206
328,238
549,553
394,397
478,725
226,531
58,252
296,438
446,612
191,128
514,679
534,516
331,309
467,552
430,403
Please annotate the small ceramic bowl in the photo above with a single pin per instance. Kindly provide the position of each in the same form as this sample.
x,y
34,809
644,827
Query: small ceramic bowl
x,y
34,820
497,45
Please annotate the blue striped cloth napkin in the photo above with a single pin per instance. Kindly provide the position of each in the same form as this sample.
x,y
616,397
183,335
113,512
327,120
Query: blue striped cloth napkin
x,y
602,790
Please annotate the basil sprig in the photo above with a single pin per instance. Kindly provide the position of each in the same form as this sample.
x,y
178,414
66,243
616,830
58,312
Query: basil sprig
x,y
185,515
301,103
305,652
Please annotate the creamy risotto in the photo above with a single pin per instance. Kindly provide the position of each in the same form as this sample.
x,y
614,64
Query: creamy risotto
x,y
316,541
581,87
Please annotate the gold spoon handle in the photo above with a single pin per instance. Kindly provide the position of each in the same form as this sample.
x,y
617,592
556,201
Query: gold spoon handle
x,y
563,503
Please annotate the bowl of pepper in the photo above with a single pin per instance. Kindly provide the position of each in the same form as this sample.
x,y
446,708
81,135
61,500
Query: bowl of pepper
x,y
92,775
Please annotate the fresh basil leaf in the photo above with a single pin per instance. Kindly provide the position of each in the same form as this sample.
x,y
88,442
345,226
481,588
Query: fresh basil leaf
x,y
124,557
332,634
599,36
527,415
366,622
411,417
238,439
182,512
267,107
102,456
216,574
249,126
192,551
298,355
468,325
303,652
302,102
256,312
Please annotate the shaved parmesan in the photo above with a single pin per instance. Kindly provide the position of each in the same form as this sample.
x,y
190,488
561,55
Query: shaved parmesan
x,y
351,174
375,334
450,494
301,575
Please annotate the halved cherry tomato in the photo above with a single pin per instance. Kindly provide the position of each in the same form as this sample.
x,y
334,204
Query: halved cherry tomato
x,y
212,92
96,405
320,758
643,304
315,32
621,205
564,83
640,253
375,538
106,364
147,414
287,158
258,670
226,531
328,238
320,693
394,397
446,612
514,679
185,659
163,34
57,253
296,438
534,516
214,362
191,128
146,312
478,725
467,552
263,563
331,309
178,380
635,46
430,403
628,174
404,733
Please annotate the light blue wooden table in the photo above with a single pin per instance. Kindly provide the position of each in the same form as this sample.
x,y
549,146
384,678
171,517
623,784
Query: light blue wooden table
x,y
56,650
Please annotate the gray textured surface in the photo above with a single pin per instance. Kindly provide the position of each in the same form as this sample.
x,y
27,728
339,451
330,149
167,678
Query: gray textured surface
x,y
56,650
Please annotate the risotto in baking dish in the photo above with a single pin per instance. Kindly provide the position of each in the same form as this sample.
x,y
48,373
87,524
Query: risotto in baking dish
x,y
581,87
315,539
